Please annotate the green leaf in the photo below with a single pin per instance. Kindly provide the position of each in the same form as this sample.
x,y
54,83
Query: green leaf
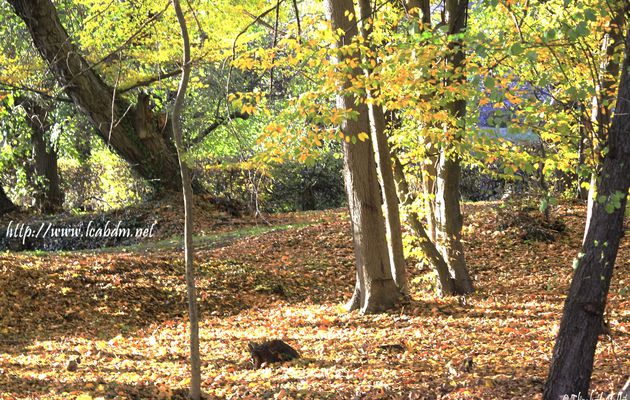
x,y
589,15
489,83
516,49
532,55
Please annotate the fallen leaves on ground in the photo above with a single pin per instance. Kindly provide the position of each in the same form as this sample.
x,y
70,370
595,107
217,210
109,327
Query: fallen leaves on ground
x,y
122,318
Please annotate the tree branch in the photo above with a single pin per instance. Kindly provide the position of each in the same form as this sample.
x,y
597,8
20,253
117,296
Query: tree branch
x,y
216,124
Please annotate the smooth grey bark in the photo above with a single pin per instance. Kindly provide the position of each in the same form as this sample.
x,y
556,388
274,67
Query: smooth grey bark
x,y
448,212
433,256
6,205
376,289
582,317
132,132
47,182
193,311
386,175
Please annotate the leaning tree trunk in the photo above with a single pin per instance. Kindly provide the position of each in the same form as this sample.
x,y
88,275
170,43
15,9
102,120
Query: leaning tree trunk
x,y
48,194
6,204
574,351
193,312
133,132
433,256
376,289
449,215
386,174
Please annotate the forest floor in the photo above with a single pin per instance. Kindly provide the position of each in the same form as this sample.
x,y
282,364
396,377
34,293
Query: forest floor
x,y
123,312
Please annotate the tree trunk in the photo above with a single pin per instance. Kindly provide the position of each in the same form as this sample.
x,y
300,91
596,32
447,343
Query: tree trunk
x,y
386,175
448,212
47,183
429,187
193,313
83,146
603,101
574,351
6,205
133,132
582,192
431,252
377,290
429,166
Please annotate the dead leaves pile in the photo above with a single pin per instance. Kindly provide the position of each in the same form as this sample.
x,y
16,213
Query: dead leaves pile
x,y
124,316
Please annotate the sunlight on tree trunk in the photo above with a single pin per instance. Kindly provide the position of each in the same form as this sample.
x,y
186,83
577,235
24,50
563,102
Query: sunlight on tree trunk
x,y
376,290
193,313
386,175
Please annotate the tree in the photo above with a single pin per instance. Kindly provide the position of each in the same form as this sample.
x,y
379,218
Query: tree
x,y
132,132
430,251
193,313
47,182
375,289
448,212
574,351
385,168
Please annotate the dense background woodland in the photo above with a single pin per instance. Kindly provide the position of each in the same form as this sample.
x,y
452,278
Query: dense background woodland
x,y
386,199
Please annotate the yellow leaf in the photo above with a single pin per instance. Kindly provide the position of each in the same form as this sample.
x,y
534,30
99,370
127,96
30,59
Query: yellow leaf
x,y
363,136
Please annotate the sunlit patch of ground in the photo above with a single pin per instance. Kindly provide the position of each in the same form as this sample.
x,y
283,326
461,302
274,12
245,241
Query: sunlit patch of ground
x,y
124,315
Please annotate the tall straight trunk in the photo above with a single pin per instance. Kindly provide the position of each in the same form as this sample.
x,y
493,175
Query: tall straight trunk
x,y
386,176
133,132
433,256
376,289
582,192
6,204
48,194
193,313
574,351
449,215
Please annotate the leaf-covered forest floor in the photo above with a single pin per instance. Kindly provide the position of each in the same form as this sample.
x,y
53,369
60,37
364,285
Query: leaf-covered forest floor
x,y
124,314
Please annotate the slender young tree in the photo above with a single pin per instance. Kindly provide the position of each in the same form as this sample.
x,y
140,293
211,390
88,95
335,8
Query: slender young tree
x,y
574,351
376,289
193,313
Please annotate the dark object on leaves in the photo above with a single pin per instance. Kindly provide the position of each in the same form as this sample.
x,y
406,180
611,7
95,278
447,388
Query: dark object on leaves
x,y
529,225
73,364
467,364
275,288
392,347
272,351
